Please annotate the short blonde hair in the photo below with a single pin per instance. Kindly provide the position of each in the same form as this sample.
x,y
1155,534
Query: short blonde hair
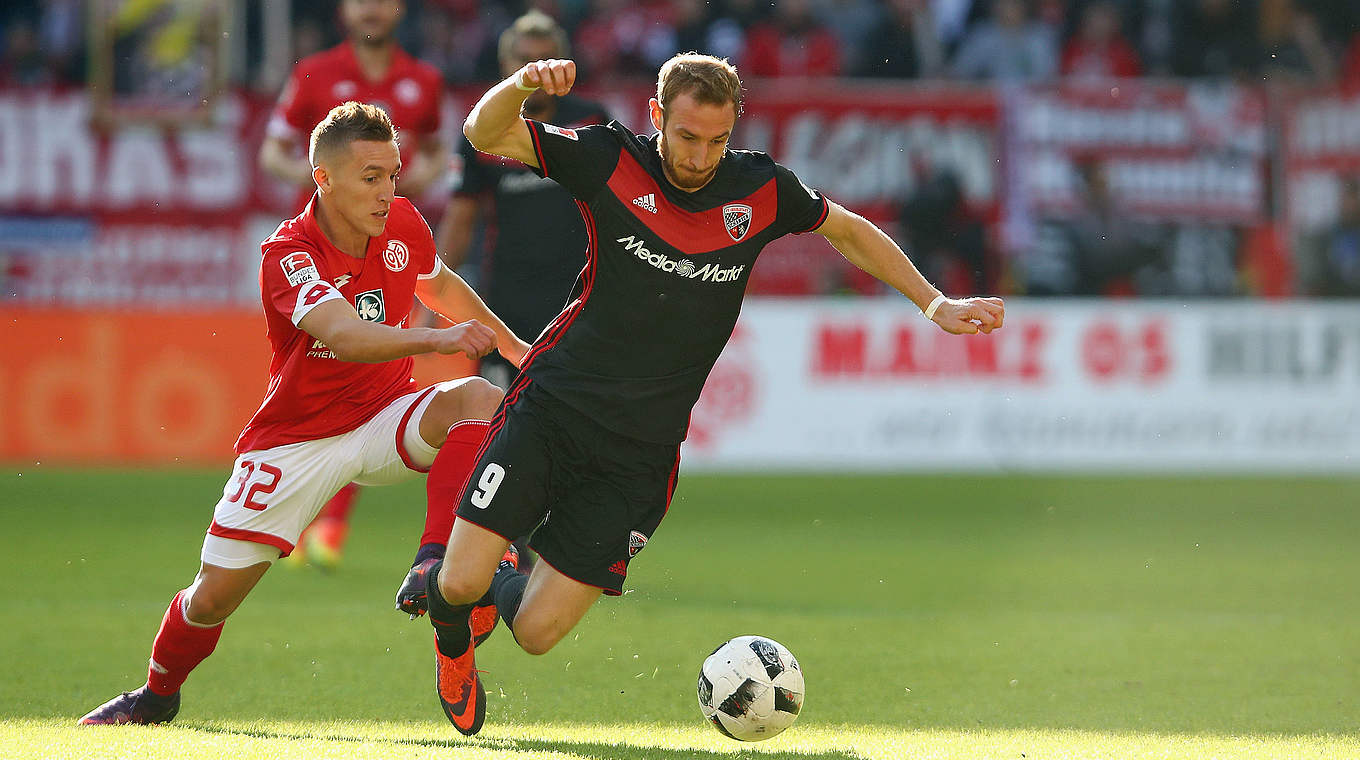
x,y
536,25
346,123
709,80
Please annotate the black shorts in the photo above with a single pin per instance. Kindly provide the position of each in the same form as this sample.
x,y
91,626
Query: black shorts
x,y
598,495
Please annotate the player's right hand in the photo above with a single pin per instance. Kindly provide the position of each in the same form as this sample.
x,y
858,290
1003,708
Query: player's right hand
x,y
471,337
968,316
556,76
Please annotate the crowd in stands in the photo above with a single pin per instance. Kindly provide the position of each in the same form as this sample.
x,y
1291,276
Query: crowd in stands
x,y
1093,250
42,42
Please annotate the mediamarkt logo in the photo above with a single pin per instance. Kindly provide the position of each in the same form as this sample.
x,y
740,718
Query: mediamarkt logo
x,y
683,267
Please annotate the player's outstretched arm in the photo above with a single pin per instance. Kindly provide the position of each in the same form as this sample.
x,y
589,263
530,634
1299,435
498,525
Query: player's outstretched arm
x,y
449,295
863,244
352,339
495,126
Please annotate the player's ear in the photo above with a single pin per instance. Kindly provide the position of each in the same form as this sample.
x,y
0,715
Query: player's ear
x,y
321,178
658,115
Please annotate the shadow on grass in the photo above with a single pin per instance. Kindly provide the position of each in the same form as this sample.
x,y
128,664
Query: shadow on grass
x,y
575,749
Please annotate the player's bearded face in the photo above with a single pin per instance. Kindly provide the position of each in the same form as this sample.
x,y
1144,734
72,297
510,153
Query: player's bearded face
x,y
693,139
363,184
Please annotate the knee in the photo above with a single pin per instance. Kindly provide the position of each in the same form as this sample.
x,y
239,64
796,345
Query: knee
x,y
461,588
535,639
482,399
472,399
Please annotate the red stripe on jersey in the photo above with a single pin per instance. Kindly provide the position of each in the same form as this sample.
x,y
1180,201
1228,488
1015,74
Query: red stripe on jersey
x,y
826,211
556,328
253,536
670,484
689,232
538,148
401,433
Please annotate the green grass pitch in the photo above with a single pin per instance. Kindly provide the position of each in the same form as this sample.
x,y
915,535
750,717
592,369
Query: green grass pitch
x,y
934,616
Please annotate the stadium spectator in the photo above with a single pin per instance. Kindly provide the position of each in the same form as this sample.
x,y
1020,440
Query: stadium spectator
x,y
618,38
697,28
1214,38
1329,261
593,423
458,37
953,18
1098,50
23,63
947,241
792,43
1293,49
369,66
851,21
1096,249
342,405
1010,47
902,44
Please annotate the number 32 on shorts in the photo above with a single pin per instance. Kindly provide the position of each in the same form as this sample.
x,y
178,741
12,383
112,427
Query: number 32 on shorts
x,y
492,476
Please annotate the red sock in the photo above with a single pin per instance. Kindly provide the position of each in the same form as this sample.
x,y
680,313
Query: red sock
x,y
332,523
180,646
449,473
338,508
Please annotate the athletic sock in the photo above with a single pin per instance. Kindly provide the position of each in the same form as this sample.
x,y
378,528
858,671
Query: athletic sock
x,y
507,590
429,551
340,505
448,474
179,647
451,630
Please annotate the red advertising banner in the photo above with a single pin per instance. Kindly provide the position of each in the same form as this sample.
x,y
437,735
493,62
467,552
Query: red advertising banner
x,y
138,386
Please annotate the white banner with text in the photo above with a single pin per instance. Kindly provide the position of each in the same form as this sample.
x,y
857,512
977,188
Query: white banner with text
x,y
870,385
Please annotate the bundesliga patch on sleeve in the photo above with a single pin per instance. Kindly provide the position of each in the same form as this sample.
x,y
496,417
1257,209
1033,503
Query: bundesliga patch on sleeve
x,y
570,134
299,268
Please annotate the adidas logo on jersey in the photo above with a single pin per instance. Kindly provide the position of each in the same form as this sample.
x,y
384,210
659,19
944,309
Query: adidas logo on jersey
x,y
646,202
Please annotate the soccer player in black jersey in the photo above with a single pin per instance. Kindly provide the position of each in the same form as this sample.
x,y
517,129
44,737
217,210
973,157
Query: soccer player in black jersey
x,y
591,427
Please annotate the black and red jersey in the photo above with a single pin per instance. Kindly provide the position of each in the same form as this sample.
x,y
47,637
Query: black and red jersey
x,y
664,277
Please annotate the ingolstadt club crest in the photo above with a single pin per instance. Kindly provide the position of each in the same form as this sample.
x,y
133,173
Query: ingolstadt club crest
x,y
737,219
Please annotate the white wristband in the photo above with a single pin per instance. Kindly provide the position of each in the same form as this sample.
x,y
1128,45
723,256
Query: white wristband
x,y
519,83
935,304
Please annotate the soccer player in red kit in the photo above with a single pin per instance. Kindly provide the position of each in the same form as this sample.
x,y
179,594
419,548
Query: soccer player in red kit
x,y
372,68
369,67
338,283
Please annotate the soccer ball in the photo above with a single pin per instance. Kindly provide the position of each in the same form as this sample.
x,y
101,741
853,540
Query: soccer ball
x,y
751,688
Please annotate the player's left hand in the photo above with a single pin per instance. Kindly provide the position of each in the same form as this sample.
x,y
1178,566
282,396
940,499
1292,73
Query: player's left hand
x,y
967,316
471,337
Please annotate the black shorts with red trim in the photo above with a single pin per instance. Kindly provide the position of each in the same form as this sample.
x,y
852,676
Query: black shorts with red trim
x,y
591,497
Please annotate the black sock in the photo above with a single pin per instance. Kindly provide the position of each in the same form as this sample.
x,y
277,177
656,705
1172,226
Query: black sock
x,y
507,589
428,551
451,629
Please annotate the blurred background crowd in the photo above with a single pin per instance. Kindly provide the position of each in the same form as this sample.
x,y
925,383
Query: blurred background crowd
x,y
44,41
1232,208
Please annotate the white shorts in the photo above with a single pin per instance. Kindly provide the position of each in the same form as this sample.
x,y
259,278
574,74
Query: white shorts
x,y
273,494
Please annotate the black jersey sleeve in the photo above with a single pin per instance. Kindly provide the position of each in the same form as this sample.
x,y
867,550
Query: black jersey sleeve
x,y
477,176
801,209
578,159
